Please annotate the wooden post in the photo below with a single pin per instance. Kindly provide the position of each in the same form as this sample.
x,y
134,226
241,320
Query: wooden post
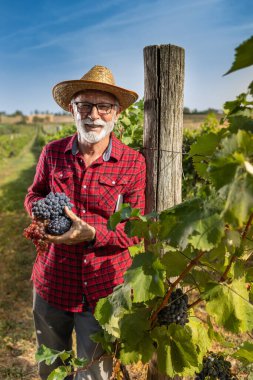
x,y
163,133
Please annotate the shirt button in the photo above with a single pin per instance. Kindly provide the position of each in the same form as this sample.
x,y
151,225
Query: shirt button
x,y
85,261
85,283
84,211
61,175
84,186
113,182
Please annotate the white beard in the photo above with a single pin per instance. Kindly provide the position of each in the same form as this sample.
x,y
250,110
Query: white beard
x,y
90,136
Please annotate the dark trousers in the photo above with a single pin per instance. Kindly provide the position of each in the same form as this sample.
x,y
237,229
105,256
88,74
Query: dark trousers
x,y
54,329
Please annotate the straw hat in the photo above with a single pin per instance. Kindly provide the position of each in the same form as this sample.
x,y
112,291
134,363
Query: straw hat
x,y
98,78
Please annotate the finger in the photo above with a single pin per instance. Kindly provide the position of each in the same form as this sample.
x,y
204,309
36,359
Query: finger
x,y
58,238
71,215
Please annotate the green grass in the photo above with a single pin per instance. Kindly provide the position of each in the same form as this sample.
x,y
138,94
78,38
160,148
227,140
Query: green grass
x,y
17,340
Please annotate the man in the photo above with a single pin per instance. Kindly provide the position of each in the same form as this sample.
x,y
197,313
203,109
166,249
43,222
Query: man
x,y
95,170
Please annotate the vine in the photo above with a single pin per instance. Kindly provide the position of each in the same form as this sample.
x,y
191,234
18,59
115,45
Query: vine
x,y
213,231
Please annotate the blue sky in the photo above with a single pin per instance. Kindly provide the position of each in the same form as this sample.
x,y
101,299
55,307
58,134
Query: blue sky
x,y
44,42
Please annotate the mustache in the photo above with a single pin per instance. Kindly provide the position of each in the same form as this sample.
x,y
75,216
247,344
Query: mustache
x,y
99,122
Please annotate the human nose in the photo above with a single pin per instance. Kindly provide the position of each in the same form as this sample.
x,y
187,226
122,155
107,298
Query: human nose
x,y
94,112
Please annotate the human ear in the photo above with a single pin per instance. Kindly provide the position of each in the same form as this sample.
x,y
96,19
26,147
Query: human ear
x,y
71,109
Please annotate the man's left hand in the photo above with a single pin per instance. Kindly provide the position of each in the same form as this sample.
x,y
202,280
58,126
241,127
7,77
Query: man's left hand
x,y
79,232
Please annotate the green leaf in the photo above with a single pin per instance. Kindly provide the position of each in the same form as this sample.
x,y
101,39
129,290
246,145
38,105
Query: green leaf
x,y
135,249
179,222
245,353
200,337
59,373
79,362
239,203
195,222
208,233
110,310
241,121
175,262
241,105
202,150
105,339
142,351
134,326
229,305
175,350
47,354
212,334
243,56
146,277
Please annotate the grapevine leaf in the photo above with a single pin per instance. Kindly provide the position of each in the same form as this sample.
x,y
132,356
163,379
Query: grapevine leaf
x,y
208,233
245,353
79,362
243,56
202,150
241,121
137,228
216,257
124,213
134,326
175,349
239,203
239,106
234,151
109,310
249,275
214,335
174,262
199,337
173,230
105,339
47,354
229,305
146,277
135,250
197,276
142,351
59,373
192,222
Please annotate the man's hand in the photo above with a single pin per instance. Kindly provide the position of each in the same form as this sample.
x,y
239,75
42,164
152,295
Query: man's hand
x,y
79,231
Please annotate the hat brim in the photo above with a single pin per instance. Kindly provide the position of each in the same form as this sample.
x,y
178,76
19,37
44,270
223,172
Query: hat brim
x,y
63,92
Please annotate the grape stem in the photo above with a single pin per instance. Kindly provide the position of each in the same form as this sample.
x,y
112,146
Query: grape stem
x,y
234,256
191,264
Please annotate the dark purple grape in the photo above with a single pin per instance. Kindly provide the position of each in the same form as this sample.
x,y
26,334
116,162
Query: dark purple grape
x,y
59,225
176,311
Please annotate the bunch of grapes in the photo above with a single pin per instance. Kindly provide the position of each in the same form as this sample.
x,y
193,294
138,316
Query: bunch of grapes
x,y
59,225
215,367
176,311
51,208
36,232
49,217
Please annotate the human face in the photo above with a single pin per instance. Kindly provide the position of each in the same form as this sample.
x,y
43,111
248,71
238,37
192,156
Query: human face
x,y
93,127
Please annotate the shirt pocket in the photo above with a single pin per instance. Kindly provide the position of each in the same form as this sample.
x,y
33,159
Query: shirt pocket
x,y
62,182
109,190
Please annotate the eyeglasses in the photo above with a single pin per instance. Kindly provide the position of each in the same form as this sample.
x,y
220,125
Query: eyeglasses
x,y
102,108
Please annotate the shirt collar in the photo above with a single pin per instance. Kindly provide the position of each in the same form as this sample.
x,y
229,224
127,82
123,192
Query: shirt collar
x,y
113,150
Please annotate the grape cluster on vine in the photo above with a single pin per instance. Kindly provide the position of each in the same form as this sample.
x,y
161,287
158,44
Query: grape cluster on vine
x,y
176,311
51,208
215,367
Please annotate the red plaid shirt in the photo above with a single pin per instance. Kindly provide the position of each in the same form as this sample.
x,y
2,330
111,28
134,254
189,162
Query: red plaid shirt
x,y
69,276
